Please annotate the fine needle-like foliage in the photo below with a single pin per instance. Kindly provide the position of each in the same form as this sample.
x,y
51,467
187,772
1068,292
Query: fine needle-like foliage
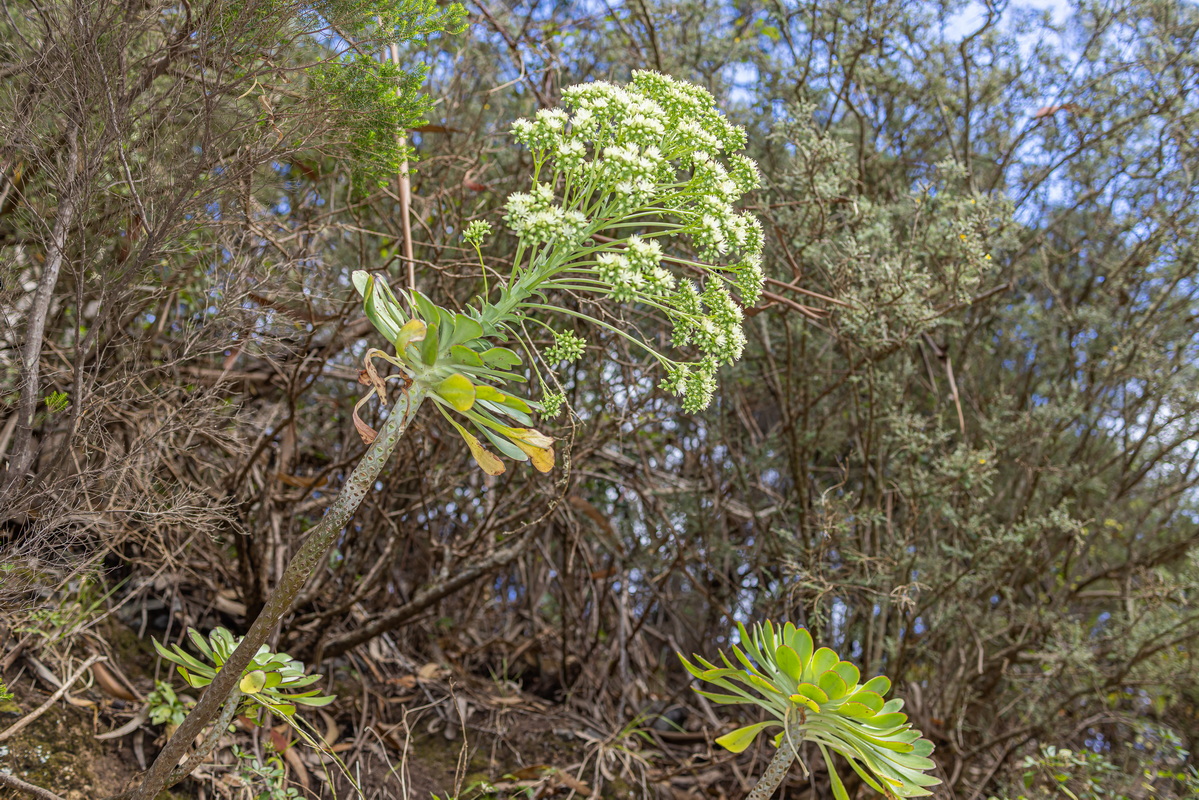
x,y
618,174
816,697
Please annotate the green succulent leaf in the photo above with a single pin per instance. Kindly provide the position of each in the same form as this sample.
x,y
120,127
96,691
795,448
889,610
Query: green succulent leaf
x,y
286,709
849,673
512,413
194,681
812,692
765,686
833,685
465,330
500,358
265,680
178,655
822,661
426,308
889,721
789,663
856,710
428,346
725,699
869,699
381,309
834,779
461,354
198,641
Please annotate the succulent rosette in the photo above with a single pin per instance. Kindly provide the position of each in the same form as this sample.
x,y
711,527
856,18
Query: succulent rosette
x,y
461,364
270,681
816,697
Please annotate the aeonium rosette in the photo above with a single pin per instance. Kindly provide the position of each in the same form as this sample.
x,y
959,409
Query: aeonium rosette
x,y
814,696
632,202
271,681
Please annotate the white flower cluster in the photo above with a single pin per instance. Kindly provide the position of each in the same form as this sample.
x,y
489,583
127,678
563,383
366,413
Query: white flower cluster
x,y
537,218
632,174
658,155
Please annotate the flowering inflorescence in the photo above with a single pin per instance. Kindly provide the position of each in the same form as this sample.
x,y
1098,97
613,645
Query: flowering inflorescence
x,y
618,172
476,232
567,346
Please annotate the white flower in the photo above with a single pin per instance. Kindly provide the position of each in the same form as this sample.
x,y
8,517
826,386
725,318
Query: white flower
x,y
644,254
610,266
709,236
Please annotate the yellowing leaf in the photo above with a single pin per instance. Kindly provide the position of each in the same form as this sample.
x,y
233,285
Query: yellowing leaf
x,y
811,704
413,331
542,457
458,391
252,682
529,436
486,459
741,738
485,392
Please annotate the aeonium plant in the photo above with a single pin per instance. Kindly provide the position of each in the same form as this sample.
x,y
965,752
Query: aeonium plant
x,y
632,202
814,696
271,680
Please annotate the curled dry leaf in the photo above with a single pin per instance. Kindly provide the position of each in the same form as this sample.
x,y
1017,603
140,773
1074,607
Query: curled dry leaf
x,y
367,433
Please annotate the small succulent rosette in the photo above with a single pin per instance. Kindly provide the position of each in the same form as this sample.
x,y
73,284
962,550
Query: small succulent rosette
x,y
270,681
816,697
462,367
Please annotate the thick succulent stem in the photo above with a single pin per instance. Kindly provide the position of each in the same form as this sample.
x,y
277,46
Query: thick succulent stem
x,y
311,554
775,772
209,744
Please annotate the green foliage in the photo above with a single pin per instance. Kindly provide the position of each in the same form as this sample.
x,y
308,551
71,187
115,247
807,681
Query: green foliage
x,y
268,777
387,21
5,694
1087,775
165,706
374,102
270,680
815,696
57,401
